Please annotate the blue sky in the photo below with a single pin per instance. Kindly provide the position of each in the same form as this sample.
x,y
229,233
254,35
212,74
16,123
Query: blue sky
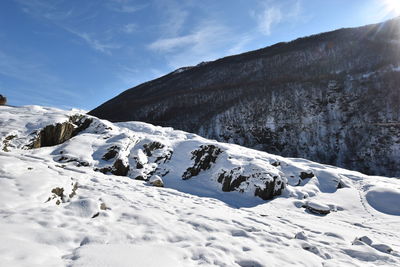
x,y
80,53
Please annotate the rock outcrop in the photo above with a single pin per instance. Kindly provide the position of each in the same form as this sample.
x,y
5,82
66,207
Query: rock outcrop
x,y
241,180
3,100
203,158
60,132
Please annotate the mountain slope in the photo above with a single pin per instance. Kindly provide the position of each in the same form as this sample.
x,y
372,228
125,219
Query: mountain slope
x,y
332,97
61,204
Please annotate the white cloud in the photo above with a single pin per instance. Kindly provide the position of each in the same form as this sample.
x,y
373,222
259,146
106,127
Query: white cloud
x,y
94,43
124,6
45,9
170,44
204,36
269,17
273,13
202,44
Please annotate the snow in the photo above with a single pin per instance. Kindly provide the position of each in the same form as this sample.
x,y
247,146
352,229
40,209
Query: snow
x,y
118,221
385,200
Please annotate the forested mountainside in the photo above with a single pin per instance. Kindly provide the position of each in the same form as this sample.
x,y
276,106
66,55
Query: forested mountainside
x,y
332,98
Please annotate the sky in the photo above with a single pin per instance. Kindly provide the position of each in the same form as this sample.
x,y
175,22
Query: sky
x,y
81,53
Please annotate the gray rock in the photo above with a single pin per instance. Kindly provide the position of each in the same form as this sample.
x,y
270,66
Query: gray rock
x,y
317,208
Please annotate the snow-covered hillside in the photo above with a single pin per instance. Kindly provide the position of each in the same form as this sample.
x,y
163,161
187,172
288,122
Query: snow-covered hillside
x,y
79,191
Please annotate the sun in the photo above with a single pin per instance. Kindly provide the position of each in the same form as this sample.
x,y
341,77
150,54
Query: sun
x,y
392,6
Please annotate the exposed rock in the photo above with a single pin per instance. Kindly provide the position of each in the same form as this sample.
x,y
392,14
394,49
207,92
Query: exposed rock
x,y
60,132
3,100
273,188
120,168
383,248
276,163
161,152
74,188
306,175
111,153
79,163
53,135
149,148
156,180
140,178
317,208
366,240
58,193
82,122
203,159
104,170
6,142
266,187
103,206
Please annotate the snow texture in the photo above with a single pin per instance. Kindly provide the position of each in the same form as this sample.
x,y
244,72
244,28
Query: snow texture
x,y
58,209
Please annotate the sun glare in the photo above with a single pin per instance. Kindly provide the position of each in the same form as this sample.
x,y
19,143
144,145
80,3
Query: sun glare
x,y
392,6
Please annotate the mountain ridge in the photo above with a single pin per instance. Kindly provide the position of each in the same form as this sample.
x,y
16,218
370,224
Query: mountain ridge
x,y
329,85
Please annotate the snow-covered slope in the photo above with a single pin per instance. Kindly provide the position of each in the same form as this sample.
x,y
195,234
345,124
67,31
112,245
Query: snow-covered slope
x,y
79,203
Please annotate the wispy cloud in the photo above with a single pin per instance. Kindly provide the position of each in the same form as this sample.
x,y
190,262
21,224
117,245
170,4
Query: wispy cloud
x,y
170,44
201,44
94,43
273,13
124,6
54,12
175,15
268,17
45,9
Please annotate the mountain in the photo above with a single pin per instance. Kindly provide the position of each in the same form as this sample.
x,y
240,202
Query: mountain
x,y
332,97
80,191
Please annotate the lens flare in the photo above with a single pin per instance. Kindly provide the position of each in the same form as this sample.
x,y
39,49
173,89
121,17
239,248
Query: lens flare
x,y
392,7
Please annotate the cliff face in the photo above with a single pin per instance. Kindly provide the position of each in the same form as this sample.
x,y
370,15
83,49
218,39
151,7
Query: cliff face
x,y
332,98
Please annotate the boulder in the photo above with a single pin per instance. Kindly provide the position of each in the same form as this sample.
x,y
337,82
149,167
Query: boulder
x,y
120,168
156,180
317,208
